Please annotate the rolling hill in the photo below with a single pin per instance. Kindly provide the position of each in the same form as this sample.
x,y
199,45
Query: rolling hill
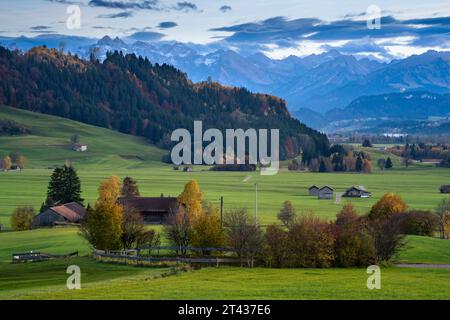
x,y
49,140
131,95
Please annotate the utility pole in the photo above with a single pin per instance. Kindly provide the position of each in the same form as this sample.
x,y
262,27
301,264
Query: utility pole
x,y
221,211
256,204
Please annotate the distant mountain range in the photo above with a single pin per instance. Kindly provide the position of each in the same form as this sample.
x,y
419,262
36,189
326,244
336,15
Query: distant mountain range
x,y
409,112
311,85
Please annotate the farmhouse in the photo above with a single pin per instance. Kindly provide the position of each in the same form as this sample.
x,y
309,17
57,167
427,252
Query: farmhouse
x,y
357,192
445,188
325,193
313,191
153,210
67,213
79,147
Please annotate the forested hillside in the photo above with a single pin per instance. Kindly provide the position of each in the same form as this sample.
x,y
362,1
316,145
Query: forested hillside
x,y
130,94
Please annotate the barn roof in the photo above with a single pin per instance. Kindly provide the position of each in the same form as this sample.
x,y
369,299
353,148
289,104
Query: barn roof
x,y
144,204
359,188
326,187
72,211
313,187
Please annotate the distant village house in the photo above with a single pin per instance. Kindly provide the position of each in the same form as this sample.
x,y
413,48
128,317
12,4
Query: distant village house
x,y
313,191
68,213
325,193
445,188
357,192
79,147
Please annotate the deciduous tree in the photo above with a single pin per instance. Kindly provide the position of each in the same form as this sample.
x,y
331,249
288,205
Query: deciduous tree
x,y
389,204
207,230
443,214
129,188
178,230
244,236
191,199
22,218
6,163
102,225
275,246
287,214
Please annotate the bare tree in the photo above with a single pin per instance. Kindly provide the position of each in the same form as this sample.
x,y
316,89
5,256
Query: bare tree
x,y
178,231
132,227
244,236
443,214
287,214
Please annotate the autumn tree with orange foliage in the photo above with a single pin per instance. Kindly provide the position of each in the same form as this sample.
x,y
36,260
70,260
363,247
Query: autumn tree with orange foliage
x,y
191,199
367,166
389,205
102,225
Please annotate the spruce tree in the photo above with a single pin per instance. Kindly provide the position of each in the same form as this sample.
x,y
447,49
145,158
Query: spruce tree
x,y
64,187
359,164
322,167
388,163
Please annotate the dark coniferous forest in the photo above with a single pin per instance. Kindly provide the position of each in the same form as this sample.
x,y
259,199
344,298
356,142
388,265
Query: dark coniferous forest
x,y
130,94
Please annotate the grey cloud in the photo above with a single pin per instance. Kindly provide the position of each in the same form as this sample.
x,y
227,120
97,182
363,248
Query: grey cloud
x,y
167,25
225,8
124,14
40,28
146,36
186,6
124,5
285,32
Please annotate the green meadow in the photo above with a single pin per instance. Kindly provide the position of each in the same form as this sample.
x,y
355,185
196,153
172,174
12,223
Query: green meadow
x,y
113,153
47,280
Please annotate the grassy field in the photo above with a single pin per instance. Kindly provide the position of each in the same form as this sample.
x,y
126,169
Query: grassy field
x,y
114,153
46,280
227,283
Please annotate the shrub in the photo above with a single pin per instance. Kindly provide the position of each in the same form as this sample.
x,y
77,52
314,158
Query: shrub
x,y
275,246
387,236
346,215
354,246
149,238
421,223
22,219
311,243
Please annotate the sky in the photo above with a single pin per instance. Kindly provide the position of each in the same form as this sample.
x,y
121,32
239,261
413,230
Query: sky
x,y
276,27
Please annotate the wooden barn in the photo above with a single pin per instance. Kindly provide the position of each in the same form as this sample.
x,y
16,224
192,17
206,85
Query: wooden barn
x,y
153,210
445,188
325,193
313,191
72,212
357,192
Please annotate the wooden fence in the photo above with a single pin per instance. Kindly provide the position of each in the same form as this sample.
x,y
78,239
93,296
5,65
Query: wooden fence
x,y
36,256
134,255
